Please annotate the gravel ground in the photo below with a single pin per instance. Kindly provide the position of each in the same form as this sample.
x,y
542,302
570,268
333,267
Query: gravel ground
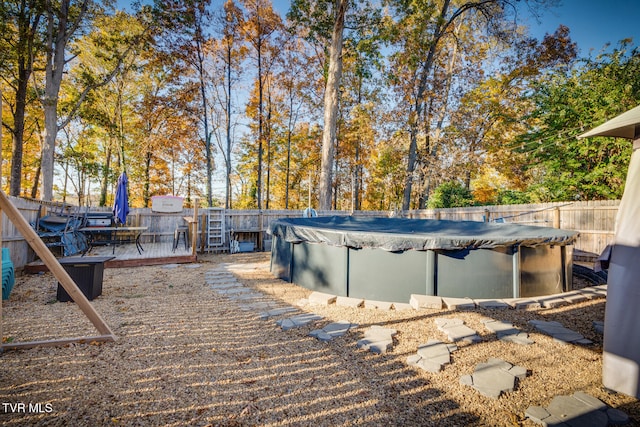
x,y
185,355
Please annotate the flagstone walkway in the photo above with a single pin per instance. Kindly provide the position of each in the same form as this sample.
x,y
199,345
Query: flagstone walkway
x,y
492,378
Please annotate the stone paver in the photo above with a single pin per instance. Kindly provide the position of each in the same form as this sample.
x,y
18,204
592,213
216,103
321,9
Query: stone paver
x,y
432,356
458,303
492,304
233,290
320,298
595,292
559,332
378,305
298,321
246,296
494,377
333,330
170,266
598,325
402,306
456,330
577,410
553,302
277,312
574,297
425,301
349,302
377,339
223,284
257,305
505,331
523,303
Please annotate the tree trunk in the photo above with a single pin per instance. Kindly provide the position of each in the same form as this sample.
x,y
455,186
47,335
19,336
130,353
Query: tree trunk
x,y
27,22
228,126
260,125
356,184
147,178
331,95
58,34
414,122
205,121
267,134
431,148
288,171
18,132
48,151
105,176
36,182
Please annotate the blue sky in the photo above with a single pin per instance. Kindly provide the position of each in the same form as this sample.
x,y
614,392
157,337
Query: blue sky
x,y
593,23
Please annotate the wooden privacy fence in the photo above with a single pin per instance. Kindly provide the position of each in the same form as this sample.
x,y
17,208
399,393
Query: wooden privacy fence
x,y
594,220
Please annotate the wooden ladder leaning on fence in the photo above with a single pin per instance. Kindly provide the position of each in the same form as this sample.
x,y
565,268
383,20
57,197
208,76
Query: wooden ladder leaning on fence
x,y
63,277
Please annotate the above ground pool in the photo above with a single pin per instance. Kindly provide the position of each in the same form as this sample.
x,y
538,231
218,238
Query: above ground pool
x,y
388,259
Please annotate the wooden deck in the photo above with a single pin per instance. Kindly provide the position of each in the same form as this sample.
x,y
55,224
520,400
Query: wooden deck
x,y
127,256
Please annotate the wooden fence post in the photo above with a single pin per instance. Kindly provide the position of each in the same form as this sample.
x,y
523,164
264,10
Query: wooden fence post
x,y
194,227
556,218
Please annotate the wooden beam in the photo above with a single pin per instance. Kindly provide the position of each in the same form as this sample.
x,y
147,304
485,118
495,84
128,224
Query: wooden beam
x,y
194,227
60,342
52,263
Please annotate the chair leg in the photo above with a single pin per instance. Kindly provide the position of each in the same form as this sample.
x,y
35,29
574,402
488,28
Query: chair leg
x,y
175,241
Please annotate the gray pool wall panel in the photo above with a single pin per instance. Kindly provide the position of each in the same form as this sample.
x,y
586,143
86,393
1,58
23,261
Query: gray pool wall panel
x,y
379,275
321,268
480,273
281,259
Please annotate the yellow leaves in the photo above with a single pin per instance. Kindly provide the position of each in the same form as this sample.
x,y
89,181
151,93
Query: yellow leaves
x,y
487,184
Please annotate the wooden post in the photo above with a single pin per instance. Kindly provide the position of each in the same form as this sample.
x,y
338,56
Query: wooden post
x,y
54,266
260,223
203,235
556,218
194,227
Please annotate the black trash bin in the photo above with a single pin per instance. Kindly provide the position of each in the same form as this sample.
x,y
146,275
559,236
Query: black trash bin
x,y
87,272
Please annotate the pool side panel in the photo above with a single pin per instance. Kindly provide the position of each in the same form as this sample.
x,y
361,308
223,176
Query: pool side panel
x,y
478,273
542,271
281,258
380,275
320,267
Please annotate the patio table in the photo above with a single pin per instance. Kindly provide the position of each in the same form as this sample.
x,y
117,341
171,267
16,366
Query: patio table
x,y
113,236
